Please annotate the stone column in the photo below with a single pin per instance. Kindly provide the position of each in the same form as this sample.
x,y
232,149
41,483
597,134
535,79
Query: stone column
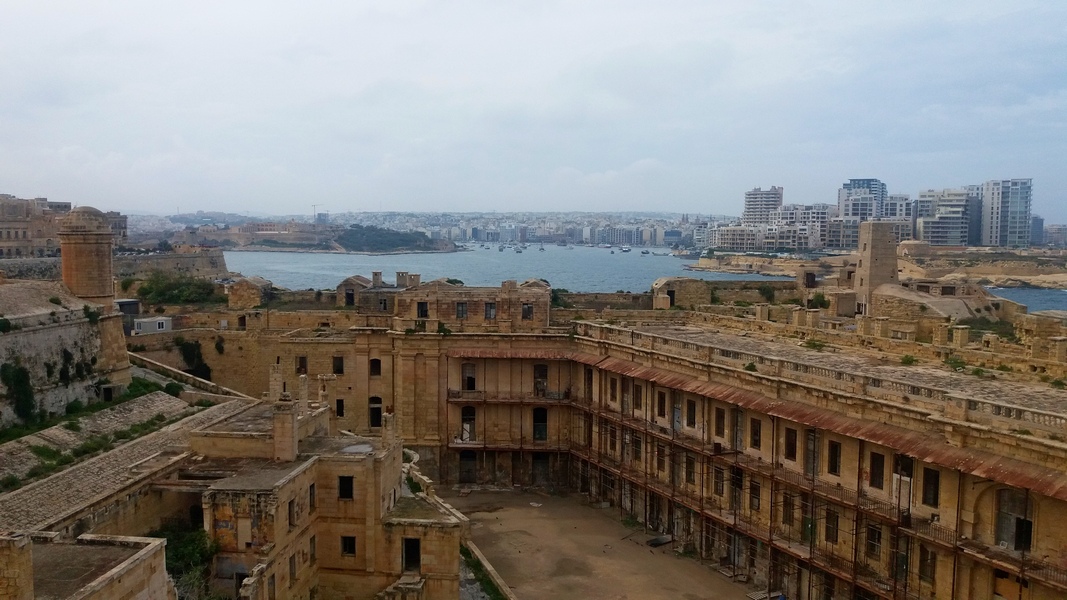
x,y
284,430
302,396
763,312
814,315
1057,349
941,334
16,566
961,335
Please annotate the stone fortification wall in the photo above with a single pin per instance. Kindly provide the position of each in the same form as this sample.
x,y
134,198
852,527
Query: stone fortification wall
x,y
208,263
598,302
62,362
31,268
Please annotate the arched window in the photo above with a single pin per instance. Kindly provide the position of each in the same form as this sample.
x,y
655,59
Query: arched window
x,y
540,424
375,367
468,418
375,410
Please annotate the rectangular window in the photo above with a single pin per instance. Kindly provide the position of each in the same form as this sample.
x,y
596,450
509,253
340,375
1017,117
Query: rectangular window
x,y
661,457
490,311
811,452
292,570
927,564
637,397
292,514
637,448
874,540
311,498
375,367
789,502
160,325
344,487
340,411
690,413
527,312
461,310
613,438
613,389
301,365
311,550
412,558
831,526
720,422
720,481
348,545
690,470
338,365
422,310
931,487
753,495
790,444
755,433
876,478
833,458
383,304
661,404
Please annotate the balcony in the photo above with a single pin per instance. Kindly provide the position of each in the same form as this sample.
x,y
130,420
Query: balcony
x,y
482,396
1034,569
931,530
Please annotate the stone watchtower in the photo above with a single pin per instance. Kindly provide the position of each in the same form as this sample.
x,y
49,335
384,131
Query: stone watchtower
x,y
86,241
877,262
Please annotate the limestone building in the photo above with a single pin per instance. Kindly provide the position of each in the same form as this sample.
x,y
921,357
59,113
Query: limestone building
x,y
819,474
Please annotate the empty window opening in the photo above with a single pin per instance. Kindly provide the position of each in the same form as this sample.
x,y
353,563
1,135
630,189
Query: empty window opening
x,y
468,419
540,424
345,487
374,407
470,382
375,367
412,557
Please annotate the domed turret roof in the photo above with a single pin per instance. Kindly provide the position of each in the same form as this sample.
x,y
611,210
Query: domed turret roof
x,y
85,219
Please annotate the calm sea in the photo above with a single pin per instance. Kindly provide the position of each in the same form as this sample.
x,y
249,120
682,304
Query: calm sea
x,y
577,269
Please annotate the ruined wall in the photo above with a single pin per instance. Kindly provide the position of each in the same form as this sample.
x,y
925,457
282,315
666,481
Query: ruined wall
x,y
32,268
141,577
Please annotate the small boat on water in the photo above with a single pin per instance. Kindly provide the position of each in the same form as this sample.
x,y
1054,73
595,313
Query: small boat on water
x,y
644,252
625,248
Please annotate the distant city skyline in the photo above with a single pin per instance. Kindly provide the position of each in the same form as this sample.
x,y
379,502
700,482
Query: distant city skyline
x,y
598,106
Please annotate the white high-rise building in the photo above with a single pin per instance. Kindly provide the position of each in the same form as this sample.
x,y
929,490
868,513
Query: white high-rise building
x,y
760,204
1006,212
946,217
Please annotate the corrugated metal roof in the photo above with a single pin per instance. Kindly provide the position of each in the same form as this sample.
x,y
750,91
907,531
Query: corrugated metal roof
x,y
509,353
919,445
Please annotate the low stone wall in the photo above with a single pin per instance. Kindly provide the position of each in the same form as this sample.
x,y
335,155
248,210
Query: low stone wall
x,y
31,268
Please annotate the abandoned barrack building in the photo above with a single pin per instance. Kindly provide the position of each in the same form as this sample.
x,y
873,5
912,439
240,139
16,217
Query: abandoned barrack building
x,y
788,446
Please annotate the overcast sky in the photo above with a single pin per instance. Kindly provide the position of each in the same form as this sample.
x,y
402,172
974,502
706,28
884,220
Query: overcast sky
x,y
271,107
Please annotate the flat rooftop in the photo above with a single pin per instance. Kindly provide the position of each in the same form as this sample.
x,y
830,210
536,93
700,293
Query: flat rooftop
x,y
257,418
61,570
860,362
341,445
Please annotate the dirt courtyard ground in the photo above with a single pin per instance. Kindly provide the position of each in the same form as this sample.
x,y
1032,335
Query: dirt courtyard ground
x,y
565,549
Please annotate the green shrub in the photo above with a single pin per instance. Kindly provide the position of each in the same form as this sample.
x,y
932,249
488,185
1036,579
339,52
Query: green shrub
x,y
5,325
1058,384
17,380
56,300
818,300
127,283
751,367
174,389
978,372
47,453
955,362
168,288
908,359
767,292
10,482
72,426
814,344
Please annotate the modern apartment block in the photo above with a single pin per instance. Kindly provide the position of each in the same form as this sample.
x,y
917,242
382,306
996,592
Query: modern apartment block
x,y
1006,213
946,216
760,206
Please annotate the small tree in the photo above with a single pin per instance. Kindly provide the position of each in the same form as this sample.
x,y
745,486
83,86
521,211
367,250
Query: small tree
x,y
767,292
